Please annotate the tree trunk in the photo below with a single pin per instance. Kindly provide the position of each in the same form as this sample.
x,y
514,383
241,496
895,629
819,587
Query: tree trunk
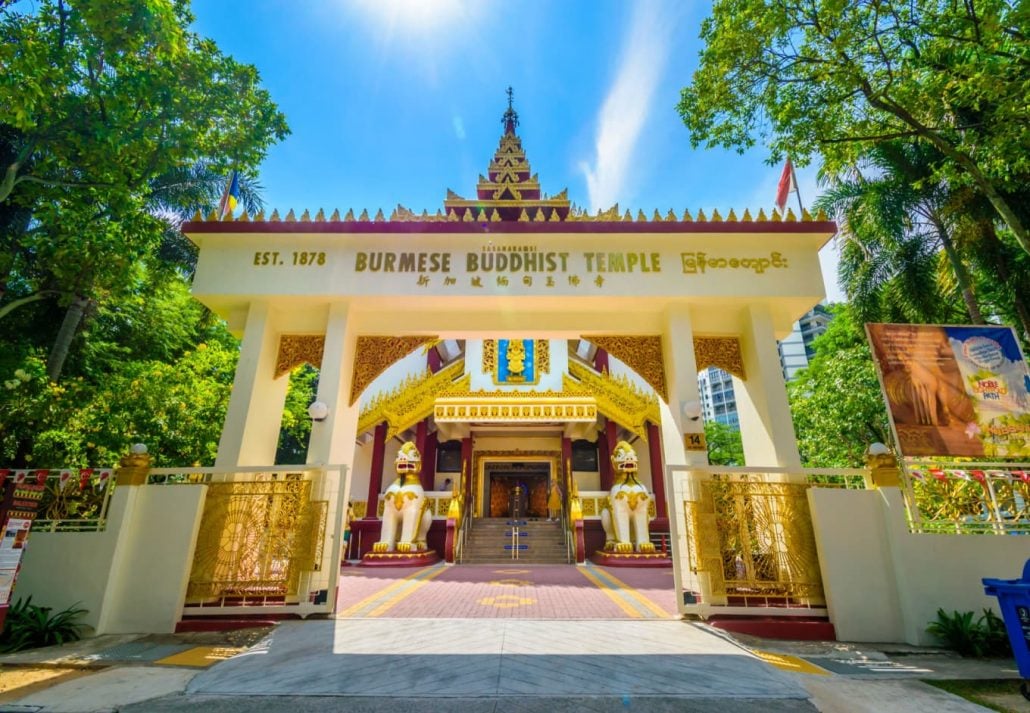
x,y
70,325
961,274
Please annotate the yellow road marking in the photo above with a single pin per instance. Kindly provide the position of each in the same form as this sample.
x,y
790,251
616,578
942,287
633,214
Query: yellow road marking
x,y
647,603
399,584
201,656
612,594
416,584
790,663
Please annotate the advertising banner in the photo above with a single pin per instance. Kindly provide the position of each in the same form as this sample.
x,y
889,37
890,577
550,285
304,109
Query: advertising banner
x,y
954,391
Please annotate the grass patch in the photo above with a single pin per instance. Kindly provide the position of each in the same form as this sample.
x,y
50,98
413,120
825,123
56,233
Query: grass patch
x,y
1001,695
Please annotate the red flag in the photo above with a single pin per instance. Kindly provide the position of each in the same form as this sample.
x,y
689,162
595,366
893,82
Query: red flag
x,y
786,185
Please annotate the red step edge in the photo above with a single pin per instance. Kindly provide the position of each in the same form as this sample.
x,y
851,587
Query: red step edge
x,y
230,623
787,627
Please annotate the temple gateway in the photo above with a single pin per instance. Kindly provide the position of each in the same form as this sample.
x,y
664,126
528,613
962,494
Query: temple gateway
x,y
511,381
511,344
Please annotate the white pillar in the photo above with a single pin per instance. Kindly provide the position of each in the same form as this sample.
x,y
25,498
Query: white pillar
x,y
332,440
251,431
766,426
681,382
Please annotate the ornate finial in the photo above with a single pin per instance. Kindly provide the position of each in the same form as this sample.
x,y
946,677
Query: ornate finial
x,y
511,117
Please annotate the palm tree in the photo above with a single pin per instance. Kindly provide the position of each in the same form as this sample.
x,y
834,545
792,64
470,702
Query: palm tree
x,y
900,259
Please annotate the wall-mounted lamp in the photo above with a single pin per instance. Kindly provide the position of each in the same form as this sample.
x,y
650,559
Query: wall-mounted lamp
x,y
138,449
318,411
691,410
877,449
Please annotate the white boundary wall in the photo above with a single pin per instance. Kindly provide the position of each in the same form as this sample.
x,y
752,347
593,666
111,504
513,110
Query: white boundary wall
x,y
132,576
884,583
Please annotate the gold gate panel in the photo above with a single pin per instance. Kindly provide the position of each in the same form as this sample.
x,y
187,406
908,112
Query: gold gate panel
x,y
255,540
756,543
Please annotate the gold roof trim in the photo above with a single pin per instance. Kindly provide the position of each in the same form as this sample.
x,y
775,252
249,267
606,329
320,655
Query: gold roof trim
x,y
412,400
401,214
618,398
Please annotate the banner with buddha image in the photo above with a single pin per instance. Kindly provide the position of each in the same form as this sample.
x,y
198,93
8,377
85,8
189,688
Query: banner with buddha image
x,y
954,391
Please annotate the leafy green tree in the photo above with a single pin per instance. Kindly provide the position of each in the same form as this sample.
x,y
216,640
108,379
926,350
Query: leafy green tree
x,y
102,107
835,77
725,446
836,401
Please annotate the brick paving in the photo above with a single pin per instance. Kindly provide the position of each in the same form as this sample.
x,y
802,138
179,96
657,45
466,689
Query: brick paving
x,y
513,591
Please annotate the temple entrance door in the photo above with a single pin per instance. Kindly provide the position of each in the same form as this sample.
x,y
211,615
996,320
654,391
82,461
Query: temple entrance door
x,y
517,487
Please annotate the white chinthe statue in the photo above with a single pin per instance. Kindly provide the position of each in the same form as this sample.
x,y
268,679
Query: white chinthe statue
x,y
405,506
625,515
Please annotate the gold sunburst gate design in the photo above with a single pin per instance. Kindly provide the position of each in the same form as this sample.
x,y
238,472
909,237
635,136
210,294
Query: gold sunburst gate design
x,y
755,540
374,355
641,354
297,349
255,540
720,352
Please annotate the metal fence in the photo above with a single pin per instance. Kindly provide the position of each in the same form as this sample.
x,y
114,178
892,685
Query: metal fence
x,y
967,498
75,500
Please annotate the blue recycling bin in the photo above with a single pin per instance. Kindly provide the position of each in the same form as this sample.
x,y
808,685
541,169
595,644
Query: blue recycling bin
x,y
1014,600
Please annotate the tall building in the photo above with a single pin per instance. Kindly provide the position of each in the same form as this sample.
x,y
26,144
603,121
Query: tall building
x,y
718,403
797,350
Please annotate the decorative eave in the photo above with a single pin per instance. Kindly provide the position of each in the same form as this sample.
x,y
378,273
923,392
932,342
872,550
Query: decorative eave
x,y
617,397
515,407
412,400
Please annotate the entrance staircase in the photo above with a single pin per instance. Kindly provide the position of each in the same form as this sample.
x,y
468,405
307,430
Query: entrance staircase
x,y
538,542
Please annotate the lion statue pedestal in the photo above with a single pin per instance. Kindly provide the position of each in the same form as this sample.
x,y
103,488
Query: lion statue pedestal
x,y
625,518
406,518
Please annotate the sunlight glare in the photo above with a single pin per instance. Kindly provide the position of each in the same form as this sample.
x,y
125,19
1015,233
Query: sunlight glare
x,y
414,17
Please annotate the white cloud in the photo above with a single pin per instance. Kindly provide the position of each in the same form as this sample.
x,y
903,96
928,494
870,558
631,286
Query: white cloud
x,y
628,103
459,127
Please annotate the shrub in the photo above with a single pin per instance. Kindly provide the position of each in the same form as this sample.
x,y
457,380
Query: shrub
x,y
29,626
983,637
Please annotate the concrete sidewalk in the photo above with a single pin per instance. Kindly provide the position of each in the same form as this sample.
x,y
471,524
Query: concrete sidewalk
x,y
513,665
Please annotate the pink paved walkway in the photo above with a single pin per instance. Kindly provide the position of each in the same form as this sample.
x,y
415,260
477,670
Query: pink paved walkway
x,y
503,591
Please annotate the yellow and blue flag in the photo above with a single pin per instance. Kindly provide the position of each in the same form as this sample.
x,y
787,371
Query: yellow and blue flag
x,y
231,197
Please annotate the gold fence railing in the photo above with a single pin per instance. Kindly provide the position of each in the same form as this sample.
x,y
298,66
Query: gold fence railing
x,y
75,500
256,539
754,539
969,498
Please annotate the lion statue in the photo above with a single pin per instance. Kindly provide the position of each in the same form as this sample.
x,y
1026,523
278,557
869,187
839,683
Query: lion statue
x,y
625,514
404,507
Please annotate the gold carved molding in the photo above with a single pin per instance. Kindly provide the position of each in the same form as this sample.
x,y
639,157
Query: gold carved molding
x,y
374,355
412,400
297,349
543,356
641,354
490,357
502,408
720,352
618,398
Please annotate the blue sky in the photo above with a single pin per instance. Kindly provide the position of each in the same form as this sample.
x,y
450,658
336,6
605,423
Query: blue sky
x,y
395,101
